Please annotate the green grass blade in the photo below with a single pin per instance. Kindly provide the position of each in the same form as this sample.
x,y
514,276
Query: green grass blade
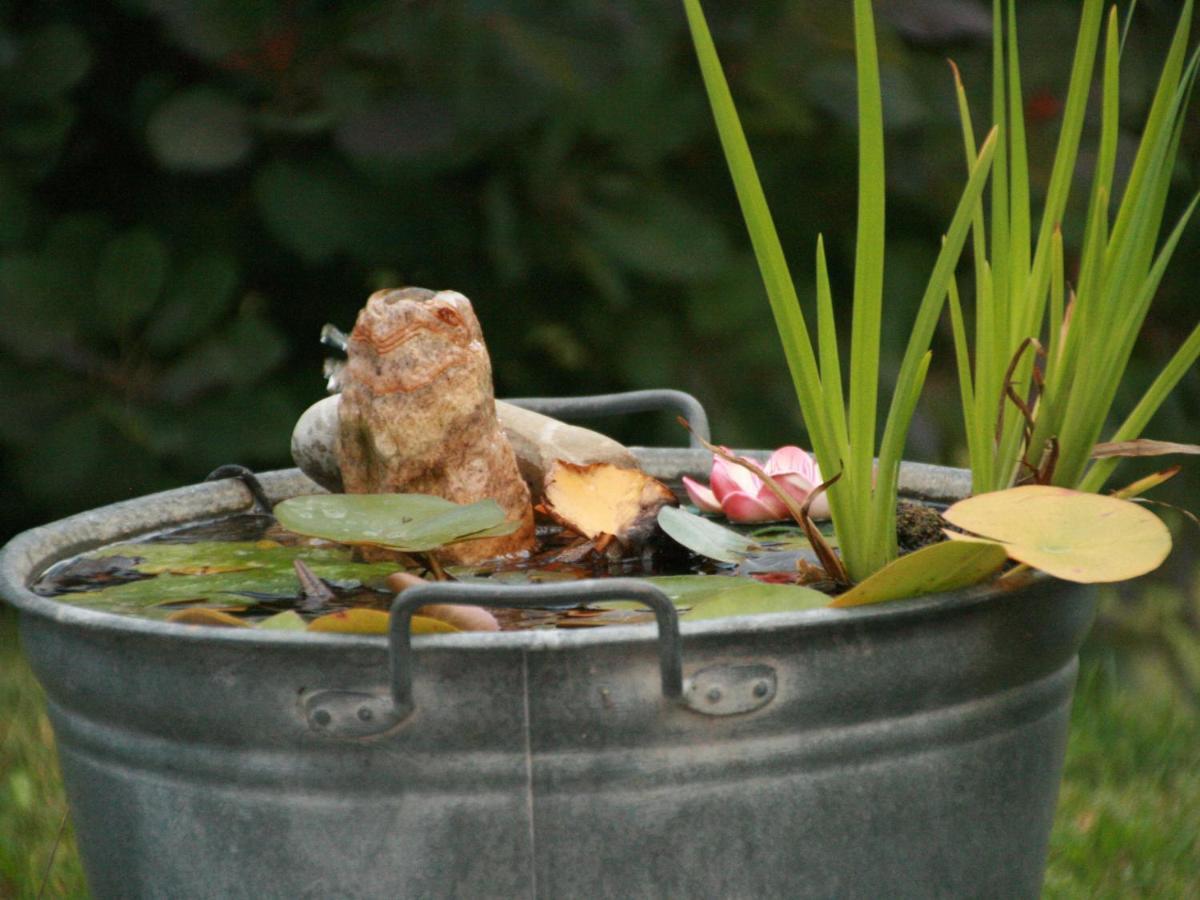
x,y
1067,152
928,313
1131,429
781,292
1081,432
1001,232
1057,300
966,389
1018,182
1156,120
900,413
763,236
986,335
831,366
868,260
1128,22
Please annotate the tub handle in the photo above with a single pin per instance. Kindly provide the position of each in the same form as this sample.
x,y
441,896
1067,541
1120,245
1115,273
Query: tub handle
x,y
567,595
598,405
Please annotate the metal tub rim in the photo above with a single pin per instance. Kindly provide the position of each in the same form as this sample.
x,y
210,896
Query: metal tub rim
x,y
32,551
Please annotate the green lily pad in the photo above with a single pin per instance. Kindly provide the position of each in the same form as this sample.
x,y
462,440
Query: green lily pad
x,y
755,598
410,523
216,571
1076,536
703,536
717,596
948,566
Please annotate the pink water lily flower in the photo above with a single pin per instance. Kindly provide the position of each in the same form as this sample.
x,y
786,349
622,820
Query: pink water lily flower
x,y
742,497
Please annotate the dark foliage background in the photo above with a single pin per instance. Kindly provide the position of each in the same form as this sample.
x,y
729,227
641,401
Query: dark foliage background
x,y
190,188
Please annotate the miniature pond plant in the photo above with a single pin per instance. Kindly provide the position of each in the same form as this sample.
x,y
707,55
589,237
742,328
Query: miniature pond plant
x,y
1021,305
1047,357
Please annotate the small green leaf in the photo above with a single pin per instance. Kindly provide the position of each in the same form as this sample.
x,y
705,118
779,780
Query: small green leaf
x,y
755,598
717,596
406,522
948,566
130,276
1076,536
703,536
288,620
199,130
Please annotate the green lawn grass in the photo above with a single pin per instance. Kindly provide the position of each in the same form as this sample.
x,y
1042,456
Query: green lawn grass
x,y
37,845
1128,822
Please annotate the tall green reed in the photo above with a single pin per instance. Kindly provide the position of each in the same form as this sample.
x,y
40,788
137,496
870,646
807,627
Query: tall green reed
x,y
1048,359
842,423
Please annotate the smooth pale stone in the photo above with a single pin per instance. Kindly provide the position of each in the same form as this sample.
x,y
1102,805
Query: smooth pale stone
x,y
536,440
315,443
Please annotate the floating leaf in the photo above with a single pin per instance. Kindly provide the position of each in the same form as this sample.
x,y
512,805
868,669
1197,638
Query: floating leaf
x,y
754,598
253,568
1072,535
600,499
374,621
703,536
407,522
717,596
206,616
947,566
288,620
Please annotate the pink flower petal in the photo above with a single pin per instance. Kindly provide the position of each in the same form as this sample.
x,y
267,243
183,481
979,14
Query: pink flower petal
x,y
797,486
793,459
800,488
701,496
740,507
727,478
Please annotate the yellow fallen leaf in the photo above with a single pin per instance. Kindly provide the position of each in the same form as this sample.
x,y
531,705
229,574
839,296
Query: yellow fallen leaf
x,y
206,616
373,621
948,566
1076,536
600,498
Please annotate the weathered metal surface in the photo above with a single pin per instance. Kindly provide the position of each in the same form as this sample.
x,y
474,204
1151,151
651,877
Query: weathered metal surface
x,y
911,749
621,404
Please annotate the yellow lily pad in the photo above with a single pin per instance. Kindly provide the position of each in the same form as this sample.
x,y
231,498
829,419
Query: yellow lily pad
x,y
288,620
374,621
1072,535
948,566
204,615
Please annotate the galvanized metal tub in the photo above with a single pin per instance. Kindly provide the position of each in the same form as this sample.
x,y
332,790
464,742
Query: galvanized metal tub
x,y
909,749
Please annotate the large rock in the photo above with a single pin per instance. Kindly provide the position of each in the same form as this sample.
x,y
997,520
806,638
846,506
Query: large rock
x,y
418,415
536,440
